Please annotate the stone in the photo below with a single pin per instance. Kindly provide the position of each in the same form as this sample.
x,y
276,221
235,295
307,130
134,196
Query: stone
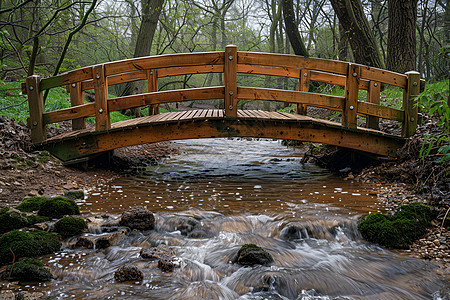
x,y
28,269
33,193
138,218
250,255
128,272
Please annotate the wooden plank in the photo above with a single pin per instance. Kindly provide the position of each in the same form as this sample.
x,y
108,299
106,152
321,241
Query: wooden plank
x,y
102,119
312,99
336,79
285,60
373,96
76,98
207,93
210,113
75,112
281,116
198,114
350,109
204,112
375,110
66,78
175,71
117,79
152,81
181,114
36,107
164,61
410,106
230,81
269,70
384,76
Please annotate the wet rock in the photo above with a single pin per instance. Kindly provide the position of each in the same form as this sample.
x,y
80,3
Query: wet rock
x,y
128,272
138,218
166,265
100,241
28,269
85,242
250,255
164,255
74,194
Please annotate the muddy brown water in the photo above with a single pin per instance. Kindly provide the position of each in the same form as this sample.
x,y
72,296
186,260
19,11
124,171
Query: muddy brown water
x,y
241,191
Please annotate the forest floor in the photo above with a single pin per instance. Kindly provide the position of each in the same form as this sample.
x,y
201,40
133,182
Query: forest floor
x,y
25,172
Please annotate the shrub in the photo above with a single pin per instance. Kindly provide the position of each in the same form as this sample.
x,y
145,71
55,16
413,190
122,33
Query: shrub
x,y
28,269
58,207
70,226
27,244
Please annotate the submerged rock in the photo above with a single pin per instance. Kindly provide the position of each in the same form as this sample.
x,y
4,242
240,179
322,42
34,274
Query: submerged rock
x,y
28,269
138,218
74,194
128,272
100,241
250,255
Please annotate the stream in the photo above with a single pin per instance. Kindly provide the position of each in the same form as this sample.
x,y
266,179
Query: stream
x,y
233,192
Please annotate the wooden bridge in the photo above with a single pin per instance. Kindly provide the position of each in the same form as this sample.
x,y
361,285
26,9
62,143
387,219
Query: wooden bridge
x,y
228,122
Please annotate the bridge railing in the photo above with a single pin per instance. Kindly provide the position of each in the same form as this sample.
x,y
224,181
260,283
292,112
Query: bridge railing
x,y
230,62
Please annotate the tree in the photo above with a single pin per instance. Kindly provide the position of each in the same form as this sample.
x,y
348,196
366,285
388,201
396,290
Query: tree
x,y
401,46
292,29
360,36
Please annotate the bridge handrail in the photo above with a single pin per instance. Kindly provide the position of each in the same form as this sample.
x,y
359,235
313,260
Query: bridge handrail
x,y
230,62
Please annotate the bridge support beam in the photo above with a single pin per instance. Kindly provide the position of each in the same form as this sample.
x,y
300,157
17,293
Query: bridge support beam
x,y
310,131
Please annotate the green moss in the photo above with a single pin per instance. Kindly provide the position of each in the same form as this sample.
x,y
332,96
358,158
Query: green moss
x,y
398,231
70,226
58,207
247,246
36,219
27,244
28,269
79,194
31,204
11,218
44,157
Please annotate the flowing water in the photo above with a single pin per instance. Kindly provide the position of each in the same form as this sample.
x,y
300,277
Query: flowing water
x,y
219,194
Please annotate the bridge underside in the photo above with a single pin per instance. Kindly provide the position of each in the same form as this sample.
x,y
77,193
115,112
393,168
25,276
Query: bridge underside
x,y
197,124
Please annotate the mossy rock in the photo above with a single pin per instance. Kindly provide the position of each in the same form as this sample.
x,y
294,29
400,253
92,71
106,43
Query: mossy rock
x,y
251,254
27,244
76,194
11,218
58,207
28,269
33,219
31,204
398,231
70,226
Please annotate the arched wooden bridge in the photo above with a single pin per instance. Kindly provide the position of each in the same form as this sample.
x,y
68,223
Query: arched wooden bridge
x,y
227,122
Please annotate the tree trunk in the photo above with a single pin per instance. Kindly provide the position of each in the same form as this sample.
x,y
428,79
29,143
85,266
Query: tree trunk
x,y
151,10
292,29
343,44
360,35
401,47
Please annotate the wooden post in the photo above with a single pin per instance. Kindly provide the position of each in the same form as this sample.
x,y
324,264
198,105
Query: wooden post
x,y
76,98
152,78
36,106
409,103
351,97
373,96
102,119
230,81
303,85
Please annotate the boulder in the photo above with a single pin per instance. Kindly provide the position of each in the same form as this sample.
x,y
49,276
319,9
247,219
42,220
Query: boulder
x,y
58,207
11,218
138,218
70,226
28,269
31,204
250,255
27,244
128,272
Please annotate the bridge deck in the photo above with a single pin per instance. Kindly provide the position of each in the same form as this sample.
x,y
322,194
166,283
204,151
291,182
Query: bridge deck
x,y
213,123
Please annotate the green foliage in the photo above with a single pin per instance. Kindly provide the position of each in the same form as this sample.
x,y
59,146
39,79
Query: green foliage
x,y
12,219
397,231
28,269
70,226
433,101
31,204
27,244
58,207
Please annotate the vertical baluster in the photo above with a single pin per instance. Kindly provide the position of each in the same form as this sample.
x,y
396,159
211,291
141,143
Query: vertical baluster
x,y
303,86
373,96
230,76
102,119
76,98
152,77
36,107
409,103
349,115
